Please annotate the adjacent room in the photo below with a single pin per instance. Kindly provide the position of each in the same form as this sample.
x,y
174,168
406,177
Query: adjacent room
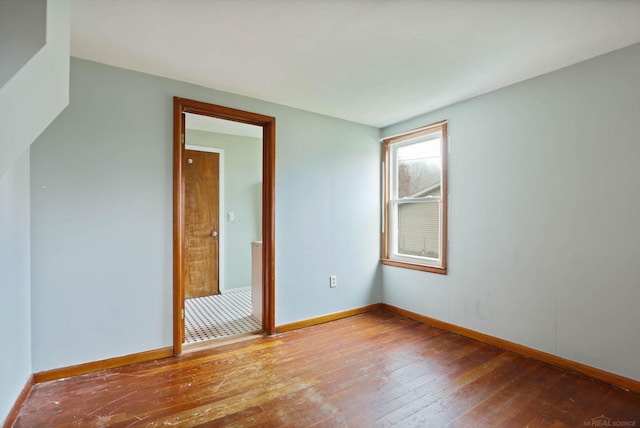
x,y
319,213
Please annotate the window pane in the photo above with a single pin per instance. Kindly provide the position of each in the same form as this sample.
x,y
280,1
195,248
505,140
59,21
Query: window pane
x,y
419,229
419,169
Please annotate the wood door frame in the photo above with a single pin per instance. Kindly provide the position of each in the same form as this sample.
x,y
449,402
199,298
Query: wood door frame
x,y
268,124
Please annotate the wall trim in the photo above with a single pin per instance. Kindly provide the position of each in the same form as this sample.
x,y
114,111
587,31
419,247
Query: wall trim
x,y
268,124
15,410
545,357
327,318
94,366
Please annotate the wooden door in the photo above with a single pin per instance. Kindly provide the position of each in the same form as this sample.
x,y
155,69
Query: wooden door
x,y
201,223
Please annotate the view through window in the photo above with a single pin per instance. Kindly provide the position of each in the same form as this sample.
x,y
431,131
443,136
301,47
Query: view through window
x,y
415,199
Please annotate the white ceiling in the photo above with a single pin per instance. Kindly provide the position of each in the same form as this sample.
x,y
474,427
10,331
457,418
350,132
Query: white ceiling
x,y
371,61
211,124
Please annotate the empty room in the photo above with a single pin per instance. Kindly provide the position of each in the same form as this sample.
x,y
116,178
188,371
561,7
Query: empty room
x,y
355,213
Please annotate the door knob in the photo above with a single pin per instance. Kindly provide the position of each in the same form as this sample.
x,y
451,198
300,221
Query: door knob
x,y
214,233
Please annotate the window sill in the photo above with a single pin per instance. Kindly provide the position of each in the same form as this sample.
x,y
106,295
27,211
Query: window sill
x,y
414,266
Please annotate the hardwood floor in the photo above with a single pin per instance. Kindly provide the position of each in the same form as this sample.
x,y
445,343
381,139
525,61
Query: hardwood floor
x,y
372,370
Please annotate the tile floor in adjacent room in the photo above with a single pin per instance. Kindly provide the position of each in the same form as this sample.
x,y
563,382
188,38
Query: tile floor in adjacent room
x,y
220,315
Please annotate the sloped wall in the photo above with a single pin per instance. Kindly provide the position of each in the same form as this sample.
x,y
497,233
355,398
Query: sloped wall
x,y
38,92
30,98
23,31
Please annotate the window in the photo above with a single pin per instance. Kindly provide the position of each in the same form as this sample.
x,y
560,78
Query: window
x,y
415,199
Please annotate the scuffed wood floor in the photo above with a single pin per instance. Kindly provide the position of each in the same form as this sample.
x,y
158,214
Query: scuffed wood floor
x,y
372,370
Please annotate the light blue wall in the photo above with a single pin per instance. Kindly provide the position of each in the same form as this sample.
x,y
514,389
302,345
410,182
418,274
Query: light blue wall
x,y
242,196
34,88
328,216
102,224
544,206
15,293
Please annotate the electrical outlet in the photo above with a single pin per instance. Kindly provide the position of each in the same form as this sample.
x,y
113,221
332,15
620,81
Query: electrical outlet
x,y
333,281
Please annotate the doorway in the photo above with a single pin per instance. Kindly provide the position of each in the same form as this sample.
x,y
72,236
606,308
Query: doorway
x,y
192,212
223,223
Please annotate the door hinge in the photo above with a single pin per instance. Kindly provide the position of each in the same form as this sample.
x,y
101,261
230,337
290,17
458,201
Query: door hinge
x,y
182,313
182,136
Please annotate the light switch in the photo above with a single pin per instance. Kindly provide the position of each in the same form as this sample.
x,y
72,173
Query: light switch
x,y
231,216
